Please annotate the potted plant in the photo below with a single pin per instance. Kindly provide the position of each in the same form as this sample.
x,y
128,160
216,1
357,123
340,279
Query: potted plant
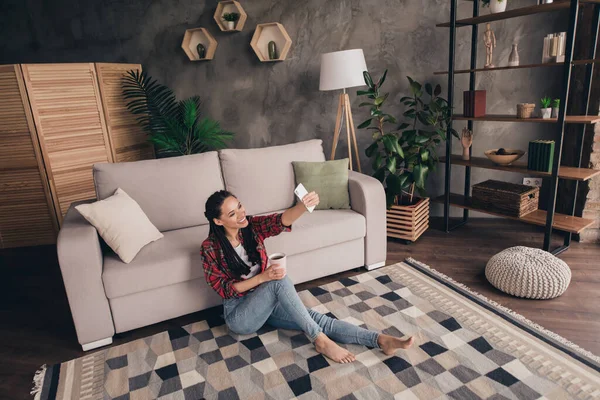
x,y
403,157
496,6
545,107
175,127
555,107
230,19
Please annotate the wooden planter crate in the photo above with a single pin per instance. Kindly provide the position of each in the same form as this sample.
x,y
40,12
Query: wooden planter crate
x,y
506,198
408,222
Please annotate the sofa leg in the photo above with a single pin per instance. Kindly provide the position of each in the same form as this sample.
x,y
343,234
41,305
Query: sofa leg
x,y
375,266
97,343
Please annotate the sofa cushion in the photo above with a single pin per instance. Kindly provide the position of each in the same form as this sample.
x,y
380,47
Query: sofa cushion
x,y
173,259
263,179
171,191
122,224
328,178
319,229
176,257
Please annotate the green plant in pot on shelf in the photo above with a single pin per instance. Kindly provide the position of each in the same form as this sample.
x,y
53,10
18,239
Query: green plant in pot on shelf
x,y
174,127
230,19
495,6
201,49
402,158
545,107
555,107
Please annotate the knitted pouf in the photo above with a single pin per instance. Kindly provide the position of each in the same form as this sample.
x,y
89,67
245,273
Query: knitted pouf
x,y
530,273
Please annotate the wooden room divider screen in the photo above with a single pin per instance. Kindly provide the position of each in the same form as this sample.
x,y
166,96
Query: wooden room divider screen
x,y
56,121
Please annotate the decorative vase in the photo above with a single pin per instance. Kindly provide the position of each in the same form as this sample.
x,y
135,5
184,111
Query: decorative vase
x,y
230,25
554,112
546,112
497,6
272,51
513,58
201,50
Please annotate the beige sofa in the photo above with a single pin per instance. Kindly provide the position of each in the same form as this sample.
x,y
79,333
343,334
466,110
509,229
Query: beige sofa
x,y
166,279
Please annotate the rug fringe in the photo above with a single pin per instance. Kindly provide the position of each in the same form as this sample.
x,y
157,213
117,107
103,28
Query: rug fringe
x,y
510,312
38,382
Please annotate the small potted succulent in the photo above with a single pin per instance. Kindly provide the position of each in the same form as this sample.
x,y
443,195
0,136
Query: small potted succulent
x,y
545,107
495,6
230,20
555,107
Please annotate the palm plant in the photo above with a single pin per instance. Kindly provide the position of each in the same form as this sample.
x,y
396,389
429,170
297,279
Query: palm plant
x,y
174,127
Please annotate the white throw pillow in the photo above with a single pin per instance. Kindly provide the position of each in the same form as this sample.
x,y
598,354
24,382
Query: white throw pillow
x,y
121,223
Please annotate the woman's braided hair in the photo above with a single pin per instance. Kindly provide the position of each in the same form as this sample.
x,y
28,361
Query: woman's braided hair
x,y
234,262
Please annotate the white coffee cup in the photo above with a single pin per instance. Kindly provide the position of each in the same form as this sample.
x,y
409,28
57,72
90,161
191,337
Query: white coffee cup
x,y
278,260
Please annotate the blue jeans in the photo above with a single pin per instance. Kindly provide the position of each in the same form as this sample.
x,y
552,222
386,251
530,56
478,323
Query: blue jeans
x,y
277,304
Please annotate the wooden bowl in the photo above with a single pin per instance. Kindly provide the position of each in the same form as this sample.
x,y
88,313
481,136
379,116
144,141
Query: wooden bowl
x,y
506,159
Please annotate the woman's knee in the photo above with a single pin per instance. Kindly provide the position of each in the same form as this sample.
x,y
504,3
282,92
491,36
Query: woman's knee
x,y
285,281
241,329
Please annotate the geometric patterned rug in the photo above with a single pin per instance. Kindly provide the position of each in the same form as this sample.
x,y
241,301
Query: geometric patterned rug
x,y
466,347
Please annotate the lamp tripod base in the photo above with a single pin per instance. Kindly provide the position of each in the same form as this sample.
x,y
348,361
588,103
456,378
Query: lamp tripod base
x,y
345,113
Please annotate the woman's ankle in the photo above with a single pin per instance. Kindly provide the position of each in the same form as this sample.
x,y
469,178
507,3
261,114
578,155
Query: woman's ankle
x,y
321,339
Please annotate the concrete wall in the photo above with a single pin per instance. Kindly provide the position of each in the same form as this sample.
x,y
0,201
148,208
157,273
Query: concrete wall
x,y
279,103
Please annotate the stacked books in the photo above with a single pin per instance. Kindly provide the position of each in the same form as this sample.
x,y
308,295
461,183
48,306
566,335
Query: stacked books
x,y
474,103
541,155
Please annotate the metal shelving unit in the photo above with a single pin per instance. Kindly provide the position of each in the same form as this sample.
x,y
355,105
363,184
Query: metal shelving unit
x,y
549,219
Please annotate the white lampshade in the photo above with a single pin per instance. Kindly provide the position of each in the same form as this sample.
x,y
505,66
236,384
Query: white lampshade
x,y
342,69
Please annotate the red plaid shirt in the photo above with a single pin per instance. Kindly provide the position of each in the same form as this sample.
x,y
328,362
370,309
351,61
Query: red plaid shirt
x,y
216,271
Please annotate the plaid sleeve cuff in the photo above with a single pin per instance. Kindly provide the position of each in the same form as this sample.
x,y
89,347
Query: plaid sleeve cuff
x,y
229,291
280,225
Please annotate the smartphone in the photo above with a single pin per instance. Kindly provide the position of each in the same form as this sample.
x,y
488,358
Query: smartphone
x,y
301,191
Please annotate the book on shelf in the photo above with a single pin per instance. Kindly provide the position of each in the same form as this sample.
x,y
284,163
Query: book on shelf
x,y
541,155
474,103
550,156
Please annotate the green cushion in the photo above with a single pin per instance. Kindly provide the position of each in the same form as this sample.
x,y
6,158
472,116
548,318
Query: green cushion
x,y
329,179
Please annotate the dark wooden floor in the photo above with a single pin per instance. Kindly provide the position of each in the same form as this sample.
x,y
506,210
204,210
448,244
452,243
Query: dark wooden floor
x,y
37,328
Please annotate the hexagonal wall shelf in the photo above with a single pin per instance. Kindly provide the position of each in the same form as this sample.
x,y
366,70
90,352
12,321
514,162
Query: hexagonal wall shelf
x,y
228,7
265,33
190,42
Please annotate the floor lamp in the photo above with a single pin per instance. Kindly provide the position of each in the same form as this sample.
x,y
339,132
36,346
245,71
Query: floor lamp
x,y
343,70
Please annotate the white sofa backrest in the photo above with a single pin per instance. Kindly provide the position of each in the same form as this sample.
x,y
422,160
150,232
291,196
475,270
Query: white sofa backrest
x,y
171,191
263,179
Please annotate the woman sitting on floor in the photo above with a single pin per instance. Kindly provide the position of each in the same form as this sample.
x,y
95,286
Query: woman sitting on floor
x,y
235,266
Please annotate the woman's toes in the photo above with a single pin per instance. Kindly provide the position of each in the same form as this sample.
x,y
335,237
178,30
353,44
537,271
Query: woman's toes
x,y
350,357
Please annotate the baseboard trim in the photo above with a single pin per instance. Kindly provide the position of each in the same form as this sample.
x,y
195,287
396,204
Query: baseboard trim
x,y
375,266
97,343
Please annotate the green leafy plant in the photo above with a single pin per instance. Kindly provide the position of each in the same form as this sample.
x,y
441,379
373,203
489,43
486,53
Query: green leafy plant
x,y
174,127
545,102
486,3
403,157
232,16
556,103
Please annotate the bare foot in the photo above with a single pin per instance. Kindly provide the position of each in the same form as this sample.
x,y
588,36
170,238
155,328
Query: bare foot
x,y
390,344
330,349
